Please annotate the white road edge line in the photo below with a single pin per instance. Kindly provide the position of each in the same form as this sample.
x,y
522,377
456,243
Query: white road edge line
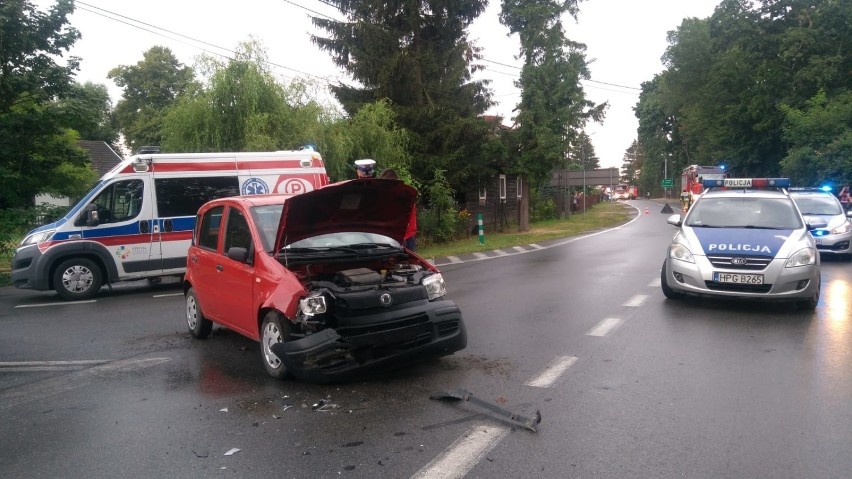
x,y
167,295
81,362
604,327
636,300
458,459
67,303
552,372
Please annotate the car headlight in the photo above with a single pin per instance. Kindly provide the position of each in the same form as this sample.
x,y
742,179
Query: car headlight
x,y
844,228
803,257
37,238
680,252
435,286
313,305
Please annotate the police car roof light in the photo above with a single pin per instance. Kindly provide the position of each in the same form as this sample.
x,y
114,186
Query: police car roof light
x,y
747,183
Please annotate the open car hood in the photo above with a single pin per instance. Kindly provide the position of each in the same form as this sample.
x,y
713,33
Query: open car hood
x,y
371,205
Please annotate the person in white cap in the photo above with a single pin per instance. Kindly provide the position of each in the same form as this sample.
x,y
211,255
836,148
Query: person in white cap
x,y
365,168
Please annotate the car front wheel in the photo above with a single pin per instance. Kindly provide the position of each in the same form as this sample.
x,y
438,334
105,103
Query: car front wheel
x,y
667,291
77,279
274,329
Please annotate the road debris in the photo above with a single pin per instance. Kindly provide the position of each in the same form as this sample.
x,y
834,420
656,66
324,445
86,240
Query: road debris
x,y
232,451
504,414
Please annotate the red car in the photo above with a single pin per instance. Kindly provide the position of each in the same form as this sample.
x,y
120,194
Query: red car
x,y
321,280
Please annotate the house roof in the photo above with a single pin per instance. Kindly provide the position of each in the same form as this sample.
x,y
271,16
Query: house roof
x,y
103,157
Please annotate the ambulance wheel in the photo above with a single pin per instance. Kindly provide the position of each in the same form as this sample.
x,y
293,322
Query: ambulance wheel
x,y
199,326
667,291
76,279
274,329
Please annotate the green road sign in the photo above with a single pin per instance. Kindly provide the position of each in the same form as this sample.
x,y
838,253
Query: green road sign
x,y
667,183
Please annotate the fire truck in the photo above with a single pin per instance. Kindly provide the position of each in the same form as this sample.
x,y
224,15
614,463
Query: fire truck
x,y
693,176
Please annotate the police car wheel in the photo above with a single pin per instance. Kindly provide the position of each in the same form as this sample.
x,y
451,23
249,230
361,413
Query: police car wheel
x,y
809,304
77,279
199,326
667,291
274,329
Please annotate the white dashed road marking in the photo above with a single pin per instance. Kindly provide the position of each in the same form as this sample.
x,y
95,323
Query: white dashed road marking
x,y
604,327
66,303
25,366
458,459
655,284
480,255
636,301
167,295
552,372
455,259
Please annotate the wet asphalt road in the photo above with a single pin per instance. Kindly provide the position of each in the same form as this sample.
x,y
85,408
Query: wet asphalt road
x,y
639,386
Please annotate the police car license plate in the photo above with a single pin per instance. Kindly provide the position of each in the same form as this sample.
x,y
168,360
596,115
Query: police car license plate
x,y
818,240
737,278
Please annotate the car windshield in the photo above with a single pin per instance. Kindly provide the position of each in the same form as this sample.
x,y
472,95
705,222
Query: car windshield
x,y
744,212
267,218
344,239
818,205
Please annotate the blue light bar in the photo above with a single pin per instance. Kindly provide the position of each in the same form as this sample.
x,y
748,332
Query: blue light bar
x,y
747,183
825,188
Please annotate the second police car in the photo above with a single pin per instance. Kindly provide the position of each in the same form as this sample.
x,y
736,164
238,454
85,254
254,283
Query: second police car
x,y
744,238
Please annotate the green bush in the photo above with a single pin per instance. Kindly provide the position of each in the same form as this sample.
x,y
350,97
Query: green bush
x,y
439,222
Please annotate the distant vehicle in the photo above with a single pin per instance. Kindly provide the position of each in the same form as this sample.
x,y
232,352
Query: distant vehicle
x,y
621,192
632,192
137,221
321,280
692,179
836,238
744,238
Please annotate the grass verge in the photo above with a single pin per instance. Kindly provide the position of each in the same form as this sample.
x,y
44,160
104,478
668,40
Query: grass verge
x,y
599,216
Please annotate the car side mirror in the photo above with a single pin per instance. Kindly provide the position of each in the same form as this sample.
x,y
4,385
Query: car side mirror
x,y
674,220
238,253
815,223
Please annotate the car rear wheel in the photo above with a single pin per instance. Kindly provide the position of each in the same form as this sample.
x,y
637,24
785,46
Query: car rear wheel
x,y
274,329
199,326
77,279
667,291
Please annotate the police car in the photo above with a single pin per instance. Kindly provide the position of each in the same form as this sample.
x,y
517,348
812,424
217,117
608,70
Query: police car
x,y
744,238
836,238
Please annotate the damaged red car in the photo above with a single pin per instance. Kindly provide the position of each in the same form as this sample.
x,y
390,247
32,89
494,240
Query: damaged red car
x,y
321,280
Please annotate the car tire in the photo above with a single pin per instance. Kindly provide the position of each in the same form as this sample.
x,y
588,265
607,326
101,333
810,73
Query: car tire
x,y
77,279
809,304
667,291
199,326
275,328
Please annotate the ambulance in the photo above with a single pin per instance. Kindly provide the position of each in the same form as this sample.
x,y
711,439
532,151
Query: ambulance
x,y
137,221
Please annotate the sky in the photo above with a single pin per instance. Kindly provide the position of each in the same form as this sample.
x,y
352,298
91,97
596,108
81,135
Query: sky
x,y
624,39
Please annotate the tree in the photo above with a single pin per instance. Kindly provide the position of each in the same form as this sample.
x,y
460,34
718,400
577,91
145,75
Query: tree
x,y
553,105
87,110
149,88
37,153
244,108
416,55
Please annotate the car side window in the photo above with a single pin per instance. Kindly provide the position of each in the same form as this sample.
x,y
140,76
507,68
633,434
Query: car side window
x,y
237,233
208,232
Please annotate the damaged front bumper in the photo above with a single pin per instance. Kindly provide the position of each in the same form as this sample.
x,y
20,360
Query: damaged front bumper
x,y
369,344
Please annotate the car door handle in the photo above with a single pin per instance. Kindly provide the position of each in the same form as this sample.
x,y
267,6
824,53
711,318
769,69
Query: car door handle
x,y
219,267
